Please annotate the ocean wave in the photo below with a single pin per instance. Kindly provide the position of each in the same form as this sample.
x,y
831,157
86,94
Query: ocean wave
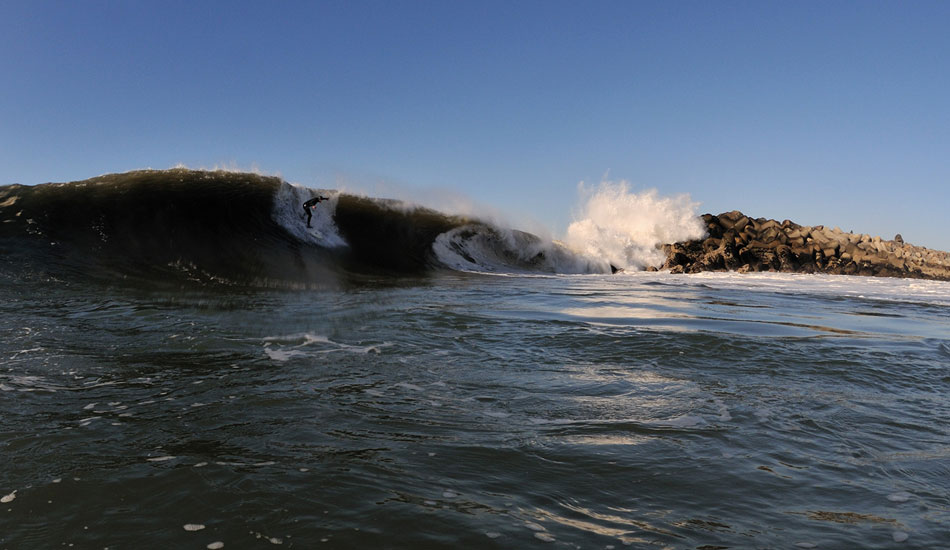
x,y
227,228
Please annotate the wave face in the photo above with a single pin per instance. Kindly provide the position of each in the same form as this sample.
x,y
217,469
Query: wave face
x,y
244,229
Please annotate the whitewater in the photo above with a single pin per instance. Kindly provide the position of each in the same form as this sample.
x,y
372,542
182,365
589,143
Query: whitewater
x,y
402,377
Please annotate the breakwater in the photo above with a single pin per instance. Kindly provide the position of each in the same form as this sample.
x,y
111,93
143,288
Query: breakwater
x,y
736,242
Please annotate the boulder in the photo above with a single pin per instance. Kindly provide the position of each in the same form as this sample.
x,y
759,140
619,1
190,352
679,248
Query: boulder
x,y
728,219
761,224
830,249
788,261
741,223
711,244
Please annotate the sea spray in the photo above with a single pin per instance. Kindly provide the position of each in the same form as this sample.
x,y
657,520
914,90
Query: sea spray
x,y
627,228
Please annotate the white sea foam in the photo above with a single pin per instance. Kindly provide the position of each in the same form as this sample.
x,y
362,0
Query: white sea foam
x,y
884,289
902,496
625,228
284,348
282,355
724,415
247,464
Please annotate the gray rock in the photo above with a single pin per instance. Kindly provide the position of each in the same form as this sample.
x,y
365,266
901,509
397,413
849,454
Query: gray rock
x,y
736,242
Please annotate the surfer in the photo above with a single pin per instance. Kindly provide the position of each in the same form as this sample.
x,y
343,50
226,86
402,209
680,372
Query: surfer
x,y
310,205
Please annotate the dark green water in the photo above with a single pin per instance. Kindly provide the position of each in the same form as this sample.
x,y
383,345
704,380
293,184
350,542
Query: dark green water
x,y
465,411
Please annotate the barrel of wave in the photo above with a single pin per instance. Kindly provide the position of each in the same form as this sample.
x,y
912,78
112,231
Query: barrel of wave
x,y
627,229
481,247
289,213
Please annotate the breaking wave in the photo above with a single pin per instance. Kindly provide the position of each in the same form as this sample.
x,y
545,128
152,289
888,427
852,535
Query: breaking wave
x,y
223,227
628,229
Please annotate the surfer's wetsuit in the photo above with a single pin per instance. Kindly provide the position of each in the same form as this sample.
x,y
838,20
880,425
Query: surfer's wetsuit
x,y
310,205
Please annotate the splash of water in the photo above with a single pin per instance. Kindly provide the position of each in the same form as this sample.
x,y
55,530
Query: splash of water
x,y
627,228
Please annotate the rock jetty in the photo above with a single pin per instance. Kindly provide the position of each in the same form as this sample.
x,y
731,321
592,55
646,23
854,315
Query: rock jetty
x,y
736,242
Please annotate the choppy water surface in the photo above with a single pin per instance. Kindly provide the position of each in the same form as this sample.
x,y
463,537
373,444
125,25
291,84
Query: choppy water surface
x,y
646,410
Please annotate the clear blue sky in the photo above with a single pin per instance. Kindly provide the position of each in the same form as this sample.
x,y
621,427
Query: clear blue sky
x,y
821,112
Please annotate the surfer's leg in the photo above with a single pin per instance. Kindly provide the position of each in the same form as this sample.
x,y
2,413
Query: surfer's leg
x,y
309,216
